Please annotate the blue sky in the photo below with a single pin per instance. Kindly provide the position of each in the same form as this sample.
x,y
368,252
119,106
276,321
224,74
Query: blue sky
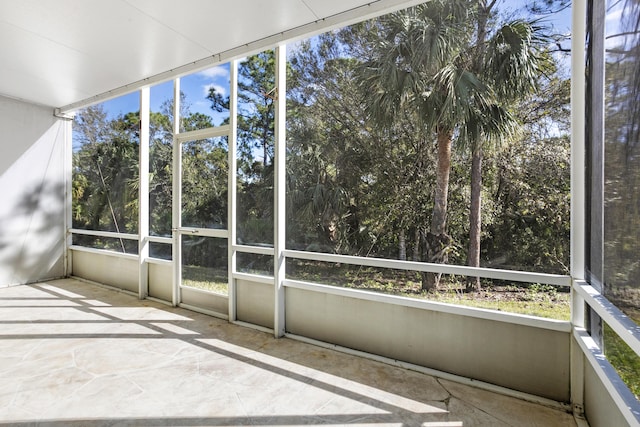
x,y
195,86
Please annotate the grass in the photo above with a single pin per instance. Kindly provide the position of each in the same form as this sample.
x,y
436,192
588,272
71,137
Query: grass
x,y
551,308
205,278
530,299
625,361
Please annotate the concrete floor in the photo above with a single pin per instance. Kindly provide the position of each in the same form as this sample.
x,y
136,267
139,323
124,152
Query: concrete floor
x,y
76,354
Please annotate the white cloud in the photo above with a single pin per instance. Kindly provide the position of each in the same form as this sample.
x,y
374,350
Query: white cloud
x,y
215,72
220,89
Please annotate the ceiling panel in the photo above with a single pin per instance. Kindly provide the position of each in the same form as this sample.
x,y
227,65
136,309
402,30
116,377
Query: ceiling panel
x,y
239,22
63,52
93,46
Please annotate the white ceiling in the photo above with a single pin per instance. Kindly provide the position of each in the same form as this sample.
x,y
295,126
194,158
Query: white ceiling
x,y
62,53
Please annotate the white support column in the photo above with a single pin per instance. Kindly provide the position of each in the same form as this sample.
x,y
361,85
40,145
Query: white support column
x,y
176,197
578,157
143,196
68,200
578,183
577,378
232,186
578,197
279,212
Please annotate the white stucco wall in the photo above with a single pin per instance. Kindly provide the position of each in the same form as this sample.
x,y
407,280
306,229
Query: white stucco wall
x,y
32,193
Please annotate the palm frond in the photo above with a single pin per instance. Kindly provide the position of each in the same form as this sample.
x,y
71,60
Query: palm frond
x,y
414,45
516,57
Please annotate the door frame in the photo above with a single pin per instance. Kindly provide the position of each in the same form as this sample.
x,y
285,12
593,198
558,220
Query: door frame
x,y
177,229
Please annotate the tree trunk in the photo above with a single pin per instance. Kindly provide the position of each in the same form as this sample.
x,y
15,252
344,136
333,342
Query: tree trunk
x,y
402,245
416,245
439,218
475,221
265,154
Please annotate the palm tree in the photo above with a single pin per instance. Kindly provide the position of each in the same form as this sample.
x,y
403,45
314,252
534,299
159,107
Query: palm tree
x,y
438,59
509,63
416,65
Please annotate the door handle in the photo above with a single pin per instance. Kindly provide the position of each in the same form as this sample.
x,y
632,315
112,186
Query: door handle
x,y
175,230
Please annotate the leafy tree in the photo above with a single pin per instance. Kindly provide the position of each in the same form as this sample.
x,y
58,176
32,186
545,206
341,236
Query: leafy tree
x,y
160,173
106,170
256,120
325,153
530,193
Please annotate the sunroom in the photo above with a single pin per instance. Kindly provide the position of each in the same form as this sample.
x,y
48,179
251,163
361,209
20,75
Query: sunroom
x,y
306,211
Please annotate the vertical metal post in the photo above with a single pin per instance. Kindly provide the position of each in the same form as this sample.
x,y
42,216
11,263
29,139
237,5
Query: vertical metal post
x,y
176,220
232,186
578,198
579,206
279,191
143,196
67,126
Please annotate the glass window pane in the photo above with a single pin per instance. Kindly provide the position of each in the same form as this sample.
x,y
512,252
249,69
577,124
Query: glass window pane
x,y
105,166
205,98
256,136
127,246
254,264
204,263
204,183
622,158
160,158
160,250
372,172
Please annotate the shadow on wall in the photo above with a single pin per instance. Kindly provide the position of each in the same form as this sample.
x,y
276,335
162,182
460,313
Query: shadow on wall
x,y
32,226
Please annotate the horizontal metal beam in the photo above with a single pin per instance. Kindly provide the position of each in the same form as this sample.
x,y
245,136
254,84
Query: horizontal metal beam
x,y
258,278
490,273
106,252
199,134
621,324
159,239
256,250
207,232
110,234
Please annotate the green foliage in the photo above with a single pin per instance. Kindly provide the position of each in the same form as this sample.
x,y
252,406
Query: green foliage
x,y
160,173
105,170
256,134
530,227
